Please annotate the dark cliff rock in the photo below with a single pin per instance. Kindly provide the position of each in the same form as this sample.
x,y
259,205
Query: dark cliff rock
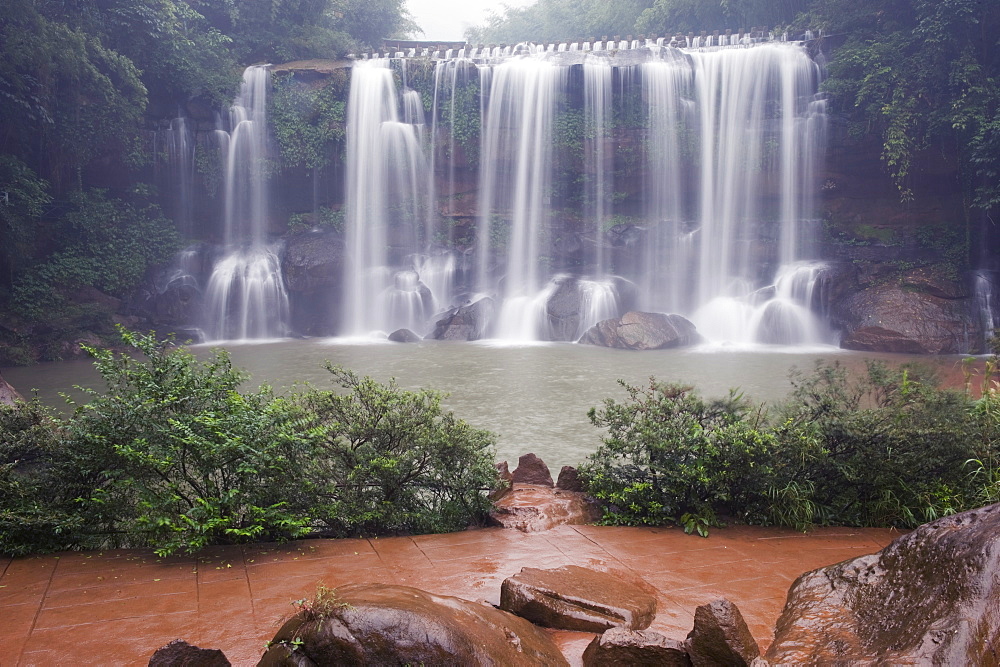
x,y
313,268
930,597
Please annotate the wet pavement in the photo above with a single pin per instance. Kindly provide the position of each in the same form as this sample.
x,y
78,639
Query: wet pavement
x,y
117,607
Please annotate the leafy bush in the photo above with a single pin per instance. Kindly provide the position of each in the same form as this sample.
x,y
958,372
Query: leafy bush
x,y
887,448
181,459
661,458
173,456
37,507
393,460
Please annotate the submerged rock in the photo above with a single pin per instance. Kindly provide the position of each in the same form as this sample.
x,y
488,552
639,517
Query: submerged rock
x,y
642,331
404,336
179,653
379,624
577,598
720,636
465,323
619,647
930,597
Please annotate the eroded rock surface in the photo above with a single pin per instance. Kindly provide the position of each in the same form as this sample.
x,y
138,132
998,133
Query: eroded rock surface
x,y
378,624
531,508
532,470
720,636
619,647
577,598
179,653
929,597
642,331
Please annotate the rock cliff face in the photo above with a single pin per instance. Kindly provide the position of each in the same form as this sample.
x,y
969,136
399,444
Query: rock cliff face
x,y
902,282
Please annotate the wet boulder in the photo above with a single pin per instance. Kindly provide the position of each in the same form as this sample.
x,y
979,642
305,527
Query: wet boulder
x,y
569,479
179,653
720,636
619,647
929,597
8,395
532,470
577,598
642,331
465,323
379,624
898,318
404,336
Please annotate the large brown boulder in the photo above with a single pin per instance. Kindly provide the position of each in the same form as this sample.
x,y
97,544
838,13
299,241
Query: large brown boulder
x,y
897,318
720,636
930,597
642,331
619,647
378,624
8,395
577,598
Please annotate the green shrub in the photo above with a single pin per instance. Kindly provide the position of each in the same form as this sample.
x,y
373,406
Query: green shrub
x,y
38,511
394,461
663,455
179,457
886,448
173,456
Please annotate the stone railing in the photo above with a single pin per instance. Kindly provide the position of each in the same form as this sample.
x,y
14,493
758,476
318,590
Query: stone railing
x,y
718,38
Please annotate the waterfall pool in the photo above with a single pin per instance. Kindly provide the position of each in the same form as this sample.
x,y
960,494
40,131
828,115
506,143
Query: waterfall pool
x,y
535,397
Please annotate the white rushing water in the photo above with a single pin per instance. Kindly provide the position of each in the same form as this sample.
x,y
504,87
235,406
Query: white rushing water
x,y
245,295
596,180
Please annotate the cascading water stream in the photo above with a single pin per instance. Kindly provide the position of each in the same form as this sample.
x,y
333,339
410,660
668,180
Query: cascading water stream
x,y
245,297
384,205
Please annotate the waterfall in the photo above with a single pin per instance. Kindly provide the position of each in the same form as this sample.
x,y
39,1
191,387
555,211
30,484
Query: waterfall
x,y
987,302
686,173
514,197
597,82
384,204
245,294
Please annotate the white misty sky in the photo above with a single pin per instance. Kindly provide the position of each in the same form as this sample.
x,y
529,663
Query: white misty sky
x,y
447,20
